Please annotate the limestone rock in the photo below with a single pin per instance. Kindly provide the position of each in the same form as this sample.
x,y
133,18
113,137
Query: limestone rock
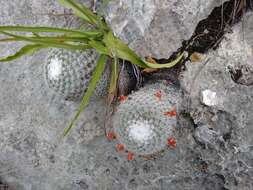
x,y
156,27
219,95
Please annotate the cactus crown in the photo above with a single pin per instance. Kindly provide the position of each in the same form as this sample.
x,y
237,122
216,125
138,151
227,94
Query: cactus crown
x,y
69,72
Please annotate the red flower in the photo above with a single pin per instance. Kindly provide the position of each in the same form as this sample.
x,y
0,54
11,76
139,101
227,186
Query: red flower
x,y
130,156
171,142
158,94
122,98
110,136
119,147
171,113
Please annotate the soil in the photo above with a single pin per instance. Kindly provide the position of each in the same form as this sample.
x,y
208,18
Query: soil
x,y
4,186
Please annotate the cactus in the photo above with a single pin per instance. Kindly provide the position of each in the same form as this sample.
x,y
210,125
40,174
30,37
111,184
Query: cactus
x,y
68,73
142,123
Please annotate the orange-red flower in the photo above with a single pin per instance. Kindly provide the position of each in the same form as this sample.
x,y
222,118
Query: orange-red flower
x,y
122,98
110,136
119,147
130,156
171,113
158,94
171,142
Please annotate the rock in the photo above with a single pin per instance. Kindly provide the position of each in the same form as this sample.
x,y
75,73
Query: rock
x,y
209,98
156,27
221,104
32,119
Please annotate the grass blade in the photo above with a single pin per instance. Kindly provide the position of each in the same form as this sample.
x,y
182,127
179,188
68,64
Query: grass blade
x,y
122,51
80,11
28,49
63,39
99,46
166,65
86,34
47,42
95,77
55,38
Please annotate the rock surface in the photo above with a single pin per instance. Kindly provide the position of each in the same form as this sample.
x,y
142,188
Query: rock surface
x,y
219,96
157,27
214,148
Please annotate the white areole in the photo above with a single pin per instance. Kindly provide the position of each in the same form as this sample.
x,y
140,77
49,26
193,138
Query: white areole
x,y
140,131
54,69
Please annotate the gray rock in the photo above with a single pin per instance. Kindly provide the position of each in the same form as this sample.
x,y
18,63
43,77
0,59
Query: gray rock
x,y
156,27
220,104
32,118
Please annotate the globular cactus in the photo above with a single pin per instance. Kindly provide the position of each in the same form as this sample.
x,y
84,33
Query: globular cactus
x,y
68,73
146,119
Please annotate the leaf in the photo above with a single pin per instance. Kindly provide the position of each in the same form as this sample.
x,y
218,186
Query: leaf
x,y
167,65
150,60
99,46
121,50
8,40
63,39
150,70
92,85
195,57
28,49
80,11
35,34
53,38
47,42
88,34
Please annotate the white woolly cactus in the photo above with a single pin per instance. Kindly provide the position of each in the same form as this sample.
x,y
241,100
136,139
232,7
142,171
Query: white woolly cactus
x,y
68,73
145,120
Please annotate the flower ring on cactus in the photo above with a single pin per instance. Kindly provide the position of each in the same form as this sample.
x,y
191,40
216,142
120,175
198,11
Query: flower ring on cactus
x,y
139,122
99,38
